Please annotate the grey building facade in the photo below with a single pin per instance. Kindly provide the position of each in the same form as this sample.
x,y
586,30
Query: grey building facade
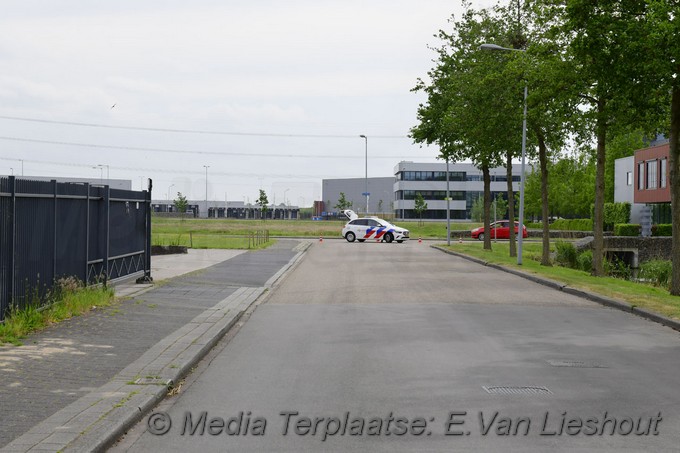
x,y
380,199
624,189
396,195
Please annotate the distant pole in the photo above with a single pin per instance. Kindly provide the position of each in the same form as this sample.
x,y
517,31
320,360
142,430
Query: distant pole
x,y
366,171
448,204
206,190
22,167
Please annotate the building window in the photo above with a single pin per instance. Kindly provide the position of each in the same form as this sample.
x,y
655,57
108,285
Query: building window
x,y
651,174
662,174
641,176
629,178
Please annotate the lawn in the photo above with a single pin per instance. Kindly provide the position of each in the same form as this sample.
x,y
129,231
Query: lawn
x,y
638,294
166,230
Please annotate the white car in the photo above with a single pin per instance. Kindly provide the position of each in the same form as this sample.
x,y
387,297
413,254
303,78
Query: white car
x,y
371,228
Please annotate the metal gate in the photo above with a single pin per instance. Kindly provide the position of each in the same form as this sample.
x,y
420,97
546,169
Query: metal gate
x,y
50,230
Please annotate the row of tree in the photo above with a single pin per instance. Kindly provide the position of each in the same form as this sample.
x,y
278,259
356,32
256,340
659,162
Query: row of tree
x,y
593,70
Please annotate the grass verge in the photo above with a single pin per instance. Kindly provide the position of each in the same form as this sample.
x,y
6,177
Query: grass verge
x,y
69,303
638,294
170,231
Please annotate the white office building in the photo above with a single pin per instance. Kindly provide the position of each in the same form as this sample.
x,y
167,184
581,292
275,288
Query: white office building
x,y
466,184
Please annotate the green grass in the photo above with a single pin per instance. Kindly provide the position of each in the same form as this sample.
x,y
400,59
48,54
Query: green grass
x,y
638,294
169,231
21,322
206,240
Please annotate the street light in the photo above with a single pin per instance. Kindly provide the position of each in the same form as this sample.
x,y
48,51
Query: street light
x,y
169,191
107,169
101,173
206,190
520,230
366,194
11,170
22,166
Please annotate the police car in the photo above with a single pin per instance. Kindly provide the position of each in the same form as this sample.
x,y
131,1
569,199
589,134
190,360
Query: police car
x,y
371,228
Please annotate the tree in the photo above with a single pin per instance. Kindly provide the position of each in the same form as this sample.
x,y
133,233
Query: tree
x,y
343,203
420,207
181,205
604,54
263,202
469,99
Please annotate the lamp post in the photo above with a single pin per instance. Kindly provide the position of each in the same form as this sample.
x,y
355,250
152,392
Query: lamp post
x,y
206,190
101,173
22,167
170,192
366,194
11,171
520,230
448,206
107,169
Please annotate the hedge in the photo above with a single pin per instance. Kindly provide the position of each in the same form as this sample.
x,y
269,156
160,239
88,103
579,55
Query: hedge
x,y
616,213
572,224
626,229
662,229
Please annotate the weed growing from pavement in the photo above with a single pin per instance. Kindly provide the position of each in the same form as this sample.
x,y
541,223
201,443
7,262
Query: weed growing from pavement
x,y
69,298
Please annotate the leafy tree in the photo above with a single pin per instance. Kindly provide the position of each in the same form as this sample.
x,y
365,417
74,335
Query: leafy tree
x,y
420,207
605,55
470,98
181,205
343,203
263,203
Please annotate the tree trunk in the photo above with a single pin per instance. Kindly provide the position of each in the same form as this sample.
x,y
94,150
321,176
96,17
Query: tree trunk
x,y
487,207
674,162
598,220
511,206
545,215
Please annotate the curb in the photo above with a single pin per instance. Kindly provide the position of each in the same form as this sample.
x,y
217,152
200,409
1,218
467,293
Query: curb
x,y
97,420
603,300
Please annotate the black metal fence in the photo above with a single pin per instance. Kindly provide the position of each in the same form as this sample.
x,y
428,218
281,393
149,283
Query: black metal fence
x,y
50,230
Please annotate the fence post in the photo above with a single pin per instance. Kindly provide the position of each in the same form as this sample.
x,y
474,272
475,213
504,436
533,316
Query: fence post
x,y
54,228
147,236
13,237
107,226
87,234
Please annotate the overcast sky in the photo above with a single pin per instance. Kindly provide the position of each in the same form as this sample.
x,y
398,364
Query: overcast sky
x,y
280,91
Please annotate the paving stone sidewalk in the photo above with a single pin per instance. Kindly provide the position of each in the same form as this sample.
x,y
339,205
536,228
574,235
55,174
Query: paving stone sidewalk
x,y
58,366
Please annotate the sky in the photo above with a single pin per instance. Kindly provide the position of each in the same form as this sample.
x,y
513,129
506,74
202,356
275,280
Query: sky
x,y
267,94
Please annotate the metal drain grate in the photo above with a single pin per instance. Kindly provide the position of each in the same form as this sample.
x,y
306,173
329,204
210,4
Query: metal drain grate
x,y
522,390
576,364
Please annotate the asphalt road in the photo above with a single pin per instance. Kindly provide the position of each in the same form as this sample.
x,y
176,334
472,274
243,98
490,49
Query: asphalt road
x,y
399,347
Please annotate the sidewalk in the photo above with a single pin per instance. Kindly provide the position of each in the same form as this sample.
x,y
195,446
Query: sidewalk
x,y
57,387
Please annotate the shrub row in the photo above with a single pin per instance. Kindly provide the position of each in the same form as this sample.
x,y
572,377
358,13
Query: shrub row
x,y
572,224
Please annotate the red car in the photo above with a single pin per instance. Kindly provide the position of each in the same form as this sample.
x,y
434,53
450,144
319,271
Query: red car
x,y
498,230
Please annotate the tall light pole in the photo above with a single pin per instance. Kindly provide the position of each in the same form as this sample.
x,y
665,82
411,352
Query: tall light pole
x,y
22,167
101,173
206,190
520,230
11,171
170,192
366,194
107,169
448,206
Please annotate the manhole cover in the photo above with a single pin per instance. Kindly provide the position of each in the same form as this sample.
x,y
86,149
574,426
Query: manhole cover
x,y
576,364
521,390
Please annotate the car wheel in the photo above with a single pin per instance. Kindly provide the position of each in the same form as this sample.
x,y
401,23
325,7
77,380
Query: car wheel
x,y
388,237
399,241
361,240
481,236
350,237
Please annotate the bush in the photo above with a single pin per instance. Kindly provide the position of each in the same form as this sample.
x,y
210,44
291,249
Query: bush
x,y
617,268
662,229
626,229
616,213
566,254
658,272
572,224
584,261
